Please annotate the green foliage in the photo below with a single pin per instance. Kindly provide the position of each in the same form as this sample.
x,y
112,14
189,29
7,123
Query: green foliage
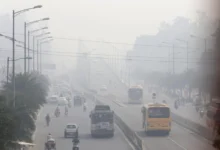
x,y
18,123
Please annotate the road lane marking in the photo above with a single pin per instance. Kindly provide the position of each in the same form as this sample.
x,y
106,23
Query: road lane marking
x,y
177,143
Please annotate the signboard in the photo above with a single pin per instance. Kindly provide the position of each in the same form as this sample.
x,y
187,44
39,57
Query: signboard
x,y
154,96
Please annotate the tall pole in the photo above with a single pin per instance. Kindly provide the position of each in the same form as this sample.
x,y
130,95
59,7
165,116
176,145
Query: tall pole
x,y
40,57
25,25
89,71
187,55
129,74
28,51
37,55
173,59
7,68
13,55
33,53
205,43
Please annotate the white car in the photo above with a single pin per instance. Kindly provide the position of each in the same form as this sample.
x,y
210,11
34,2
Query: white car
x,y
52,99
62,101
71,130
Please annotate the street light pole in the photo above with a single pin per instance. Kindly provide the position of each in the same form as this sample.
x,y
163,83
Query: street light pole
x,y
40,62
7,68
13,44
28,51
33,53
13,55
187,55
25,26
40,55
173,60
37,55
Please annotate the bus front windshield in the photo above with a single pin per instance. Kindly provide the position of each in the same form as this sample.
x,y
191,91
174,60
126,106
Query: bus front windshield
x,y
159,112
135,93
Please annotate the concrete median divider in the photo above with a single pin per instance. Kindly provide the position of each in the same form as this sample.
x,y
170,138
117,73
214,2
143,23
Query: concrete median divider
x,y
130,134
133,138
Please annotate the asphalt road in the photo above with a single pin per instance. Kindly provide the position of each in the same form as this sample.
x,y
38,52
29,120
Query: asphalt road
x,y
76,115
187,111
179,138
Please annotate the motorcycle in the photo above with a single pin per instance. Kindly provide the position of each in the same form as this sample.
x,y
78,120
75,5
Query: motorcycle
x,y
48,122
202,113
176,105
75,145
84,108
50,145
69,105
57,113
66,113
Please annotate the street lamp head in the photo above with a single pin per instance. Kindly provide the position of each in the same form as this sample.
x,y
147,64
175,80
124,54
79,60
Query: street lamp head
x,y
46,19
38,6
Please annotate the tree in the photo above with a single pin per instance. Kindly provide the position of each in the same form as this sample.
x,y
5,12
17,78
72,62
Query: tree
x,y
18,123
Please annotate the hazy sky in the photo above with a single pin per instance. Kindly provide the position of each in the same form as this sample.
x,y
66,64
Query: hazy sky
x,y
114,20
109,20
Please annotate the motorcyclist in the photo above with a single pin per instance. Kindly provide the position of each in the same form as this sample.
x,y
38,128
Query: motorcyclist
x,y
47,119
57,109
176,105
66,110
84,106
49,136
76,142
50,144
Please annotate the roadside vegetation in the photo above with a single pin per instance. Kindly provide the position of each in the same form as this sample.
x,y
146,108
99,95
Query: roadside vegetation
x,y
17,118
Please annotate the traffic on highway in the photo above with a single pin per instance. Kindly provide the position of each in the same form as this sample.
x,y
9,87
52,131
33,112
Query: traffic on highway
x,y
109,75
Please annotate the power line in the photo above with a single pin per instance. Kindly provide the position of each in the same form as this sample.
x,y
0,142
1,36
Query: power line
x,y
109,42
85,54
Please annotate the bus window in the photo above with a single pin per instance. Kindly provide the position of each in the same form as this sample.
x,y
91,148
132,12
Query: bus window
x,y
159,112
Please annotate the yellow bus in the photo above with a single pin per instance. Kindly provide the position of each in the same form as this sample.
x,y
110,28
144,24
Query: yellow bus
x,y
156,117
